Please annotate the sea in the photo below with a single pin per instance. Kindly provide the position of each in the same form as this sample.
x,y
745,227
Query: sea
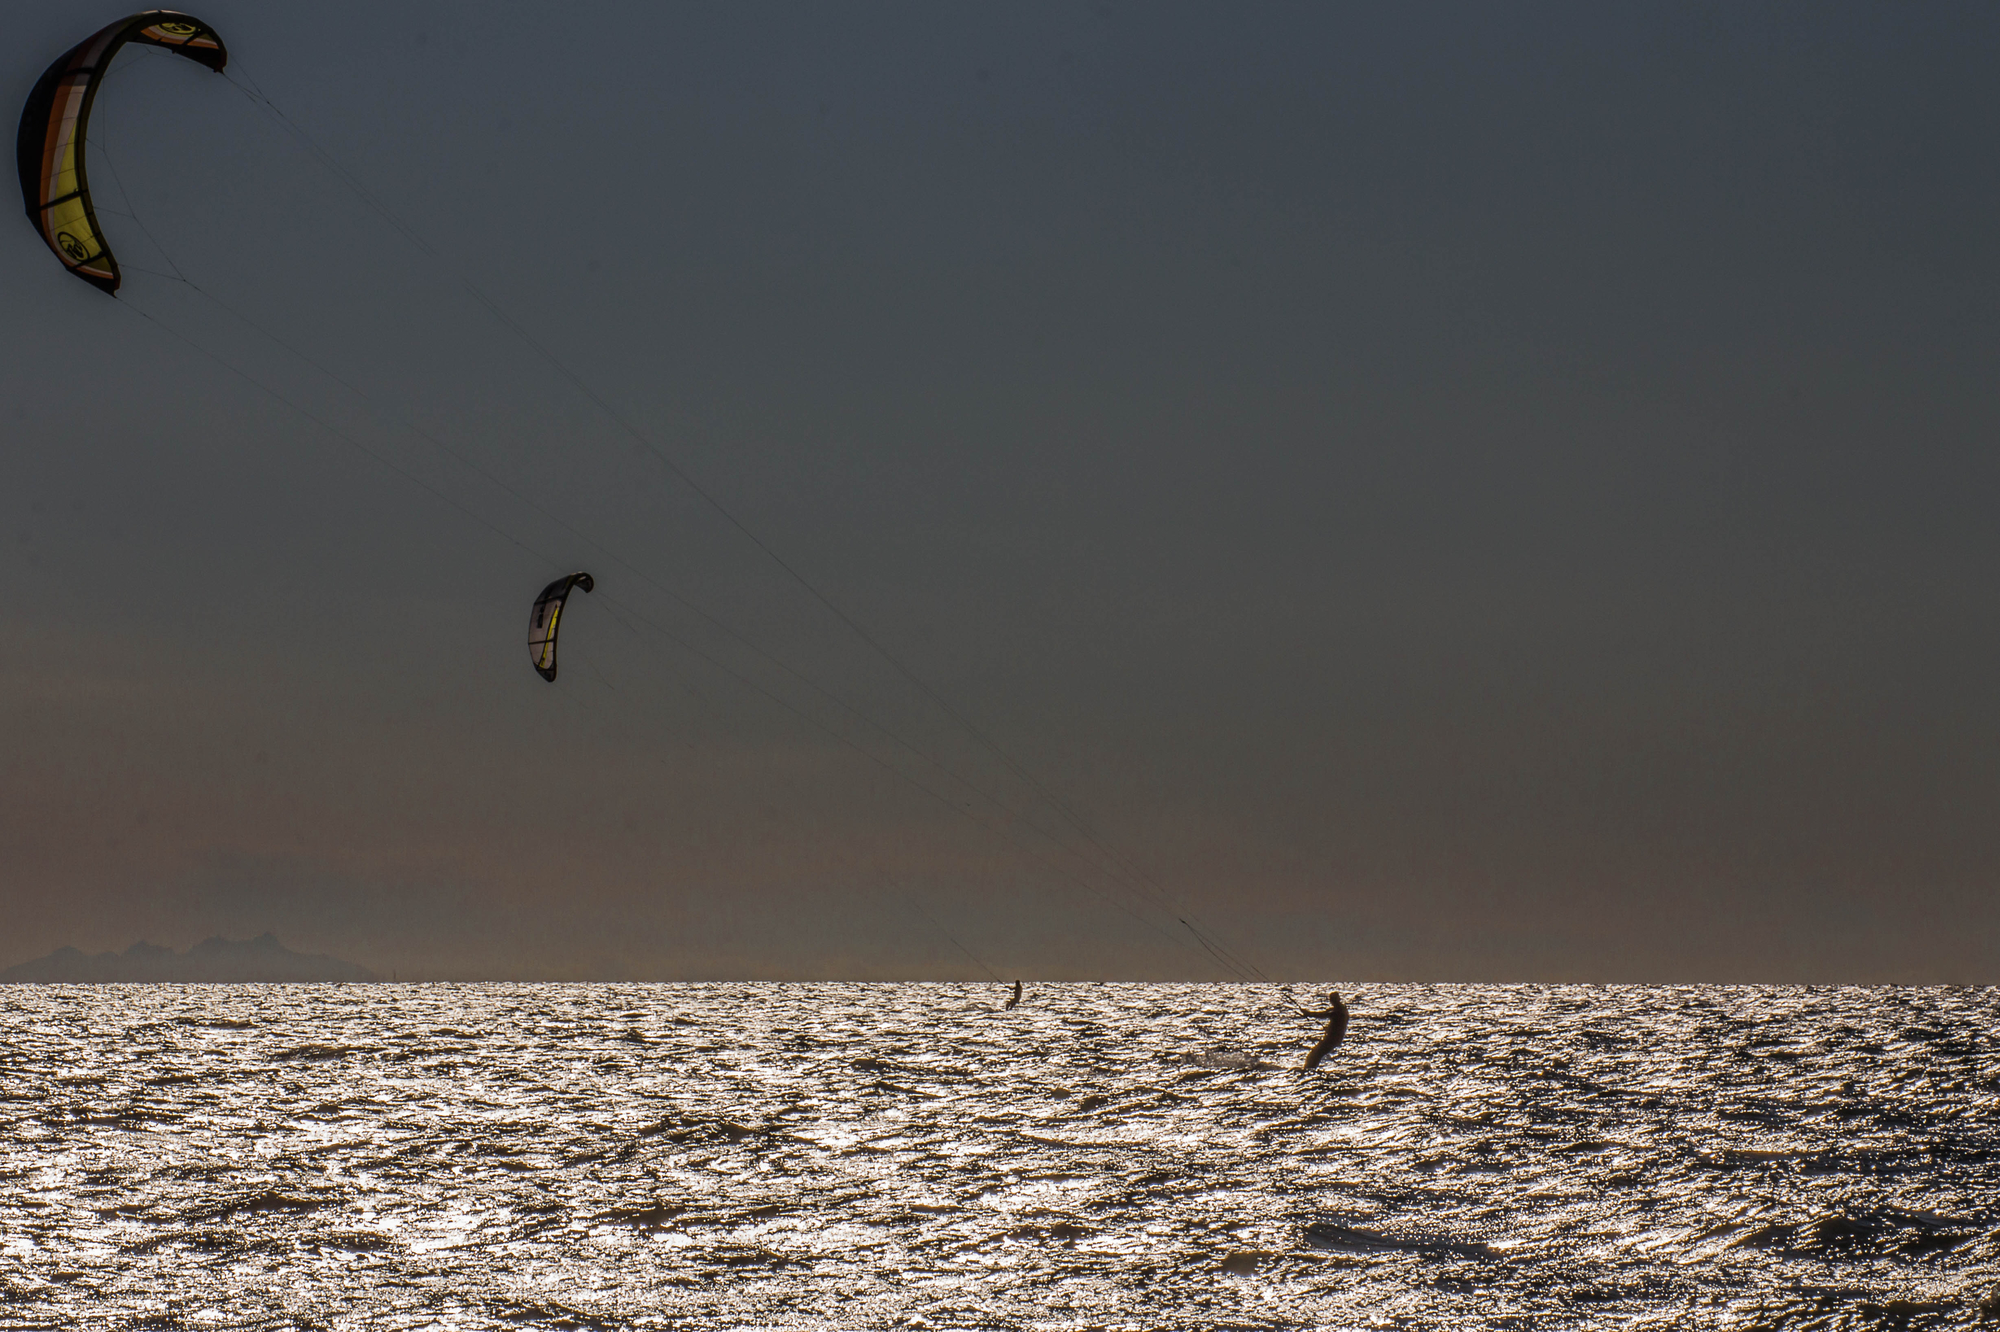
x,y
916,1156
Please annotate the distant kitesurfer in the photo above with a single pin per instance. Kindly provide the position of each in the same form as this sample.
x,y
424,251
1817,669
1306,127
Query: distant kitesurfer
x,y
1336,1027
1014,998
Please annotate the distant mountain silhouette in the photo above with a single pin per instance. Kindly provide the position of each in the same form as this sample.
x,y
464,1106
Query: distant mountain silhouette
x,y
227,961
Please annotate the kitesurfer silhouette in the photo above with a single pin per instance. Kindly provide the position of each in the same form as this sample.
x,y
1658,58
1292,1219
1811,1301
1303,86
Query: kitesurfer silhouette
x,y
1015,998
1336,1027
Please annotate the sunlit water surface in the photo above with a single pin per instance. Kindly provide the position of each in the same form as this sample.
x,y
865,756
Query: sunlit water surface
x,y
861,1156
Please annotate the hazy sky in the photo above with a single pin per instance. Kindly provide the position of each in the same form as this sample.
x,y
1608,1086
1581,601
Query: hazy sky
x,y
1441,491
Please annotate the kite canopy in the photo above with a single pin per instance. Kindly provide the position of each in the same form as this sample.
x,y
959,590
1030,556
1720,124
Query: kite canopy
x,y
542,624
49,149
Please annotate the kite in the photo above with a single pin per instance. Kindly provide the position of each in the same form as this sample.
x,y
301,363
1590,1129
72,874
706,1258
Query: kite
x,y
542,624
49,148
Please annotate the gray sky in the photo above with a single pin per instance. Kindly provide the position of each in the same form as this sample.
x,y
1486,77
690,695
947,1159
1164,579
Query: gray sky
x,y
1442,491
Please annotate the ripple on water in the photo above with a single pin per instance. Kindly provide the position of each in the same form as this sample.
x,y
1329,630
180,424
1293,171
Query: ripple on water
x,y
711,1156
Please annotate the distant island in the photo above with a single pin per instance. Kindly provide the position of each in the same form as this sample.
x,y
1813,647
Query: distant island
x,y
262,960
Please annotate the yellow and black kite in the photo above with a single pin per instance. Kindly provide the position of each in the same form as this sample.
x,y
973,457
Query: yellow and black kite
x,y
542,623
50,146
